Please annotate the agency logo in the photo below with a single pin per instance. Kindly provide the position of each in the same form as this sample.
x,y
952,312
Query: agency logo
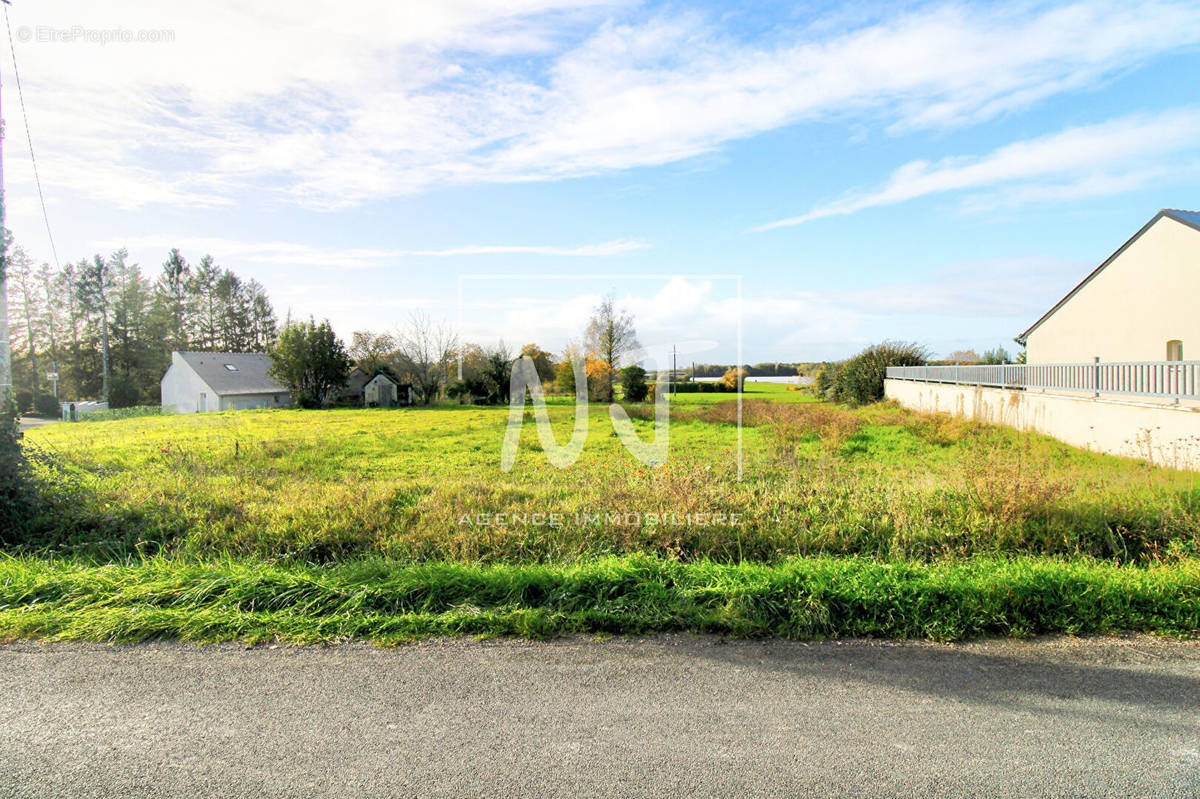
x,y
525,382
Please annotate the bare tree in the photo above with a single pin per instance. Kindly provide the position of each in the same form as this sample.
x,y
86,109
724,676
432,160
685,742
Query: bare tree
x,y
370,350
424,352
610,336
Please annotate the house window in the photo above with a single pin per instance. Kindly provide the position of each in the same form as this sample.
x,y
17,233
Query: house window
x,y
1174,350
231,367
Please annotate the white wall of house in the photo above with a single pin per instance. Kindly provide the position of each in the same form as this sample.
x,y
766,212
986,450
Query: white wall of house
x,y
1163,434
248,402
185,391
1146,297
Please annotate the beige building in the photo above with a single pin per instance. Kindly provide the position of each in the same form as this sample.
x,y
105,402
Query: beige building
x,y
1142,304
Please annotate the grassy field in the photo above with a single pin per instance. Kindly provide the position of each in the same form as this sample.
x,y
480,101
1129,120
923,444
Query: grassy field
x,y
425,484
349,498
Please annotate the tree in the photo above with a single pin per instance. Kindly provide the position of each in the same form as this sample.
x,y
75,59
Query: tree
x,y
633,383
599,379
311,361
564,379
998,355
610,337
962,357
203,306
425,350
28,313
171,299
263,327
734,378
543,362
371,352
95,284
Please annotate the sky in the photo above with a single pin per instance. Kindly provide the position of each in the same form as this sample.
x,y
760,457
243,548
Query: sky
x,y
793,181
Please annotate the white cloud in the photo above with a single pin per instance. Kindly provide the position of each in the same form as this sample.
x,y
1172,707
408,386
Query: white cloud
x,y
297,254
331,107
1104,158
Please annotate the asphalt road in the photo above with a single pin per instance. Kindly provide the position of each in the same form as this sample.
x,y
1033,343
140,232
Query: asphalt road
x,y
664,716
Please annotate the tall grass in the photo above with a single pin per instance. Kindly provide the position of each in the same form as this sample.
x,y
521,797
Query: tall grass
x,y
388,602
819,479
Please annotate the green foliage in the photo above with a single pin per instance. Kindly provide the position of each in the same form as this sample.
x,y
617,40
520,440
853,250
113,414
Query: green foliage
x,y
18,489
130,412
46,405
859,380
633,383
311,361
543,362
389,602
701,387
996,356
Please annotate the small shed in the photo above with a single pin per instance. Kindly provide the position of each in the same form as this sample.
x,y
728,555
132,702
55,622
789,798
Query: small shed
x,y
380,392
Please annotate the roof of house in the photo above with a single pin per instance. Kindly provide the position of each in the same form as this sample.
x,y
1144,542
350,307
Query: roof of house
x,y
384,376
234,372
1189,218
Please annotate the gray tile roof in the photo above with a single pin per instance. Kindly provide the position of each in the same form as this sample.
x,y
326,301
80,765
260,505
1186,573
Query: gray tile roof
x,y
249,375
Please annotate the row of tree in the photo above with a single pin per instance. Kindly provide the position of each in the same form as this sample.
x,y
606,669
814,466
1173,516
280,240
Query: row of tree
x,y
106,329
428,355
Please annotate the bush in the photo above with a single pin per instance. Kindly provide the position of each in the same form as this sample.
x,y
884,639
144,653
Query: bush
x,y
633,383
859,380
24,401
121,413
18,491
46,405
733,378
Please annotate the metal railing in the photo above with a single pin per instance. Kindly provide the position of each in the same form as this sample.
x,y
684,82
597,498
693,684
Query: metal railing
x,y
1171,379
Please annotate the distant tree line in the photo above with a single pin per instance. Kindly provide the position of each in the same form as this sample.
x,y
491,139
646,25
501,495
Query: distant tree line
x,y
768,369
107,328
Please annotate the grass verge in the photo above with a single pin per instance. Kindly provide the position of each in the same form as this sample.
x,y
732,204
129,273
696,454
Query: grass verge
x,y
390,602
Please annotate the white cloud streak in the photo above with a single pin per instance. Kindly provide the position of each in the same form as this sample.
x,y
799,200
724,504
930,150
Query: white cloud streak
x,y
296,254
1095,159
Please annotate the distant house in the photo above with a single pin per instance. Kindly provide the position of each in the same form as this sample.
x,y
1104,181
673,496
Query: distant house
x,y
197,382
383,392
1139,305
356,381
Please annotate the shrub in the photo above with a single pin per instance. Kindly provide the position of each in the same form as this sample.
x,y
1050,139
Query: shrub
x,y
733,378
112,414
46,405
18,492
859,380
633,383
24,401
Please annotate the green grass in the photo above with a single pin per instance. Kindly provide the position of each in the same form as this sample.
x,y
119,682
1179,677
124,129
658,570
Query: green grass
x,y
313,526
387,602
413,484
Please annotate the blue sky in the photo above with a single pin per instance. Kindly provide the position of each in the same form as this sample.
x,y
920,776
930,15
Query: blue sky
x,y
933,172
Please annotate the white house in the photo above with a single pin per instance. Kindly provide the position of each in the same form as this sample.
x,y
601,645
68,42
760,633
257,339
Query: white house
x,y
1139,305
197,382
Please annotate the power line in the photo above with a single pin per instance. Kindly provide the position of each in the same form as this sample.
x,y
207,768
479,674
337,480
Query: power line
x,y
29,136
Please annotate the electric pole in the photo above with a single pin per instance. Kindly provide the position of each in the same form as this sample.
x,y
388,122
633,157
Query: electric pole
x,y
5,352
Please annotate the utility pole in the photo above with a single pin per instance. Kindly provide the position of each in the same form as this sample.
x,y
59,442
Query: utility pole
x,y
5,351
674,370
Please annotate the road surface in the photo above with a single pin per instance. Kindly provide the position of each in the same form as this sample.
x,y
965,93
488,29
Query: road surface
x,y
663,716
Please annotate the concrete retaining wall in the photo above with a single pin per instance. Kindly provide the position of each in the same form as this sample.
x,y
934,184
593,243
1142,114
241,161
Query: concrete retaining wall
x,y
1169,436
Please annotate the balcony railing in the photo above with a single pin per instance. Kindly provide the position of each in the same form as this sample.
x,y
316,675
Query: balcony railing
x,y
1172,379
